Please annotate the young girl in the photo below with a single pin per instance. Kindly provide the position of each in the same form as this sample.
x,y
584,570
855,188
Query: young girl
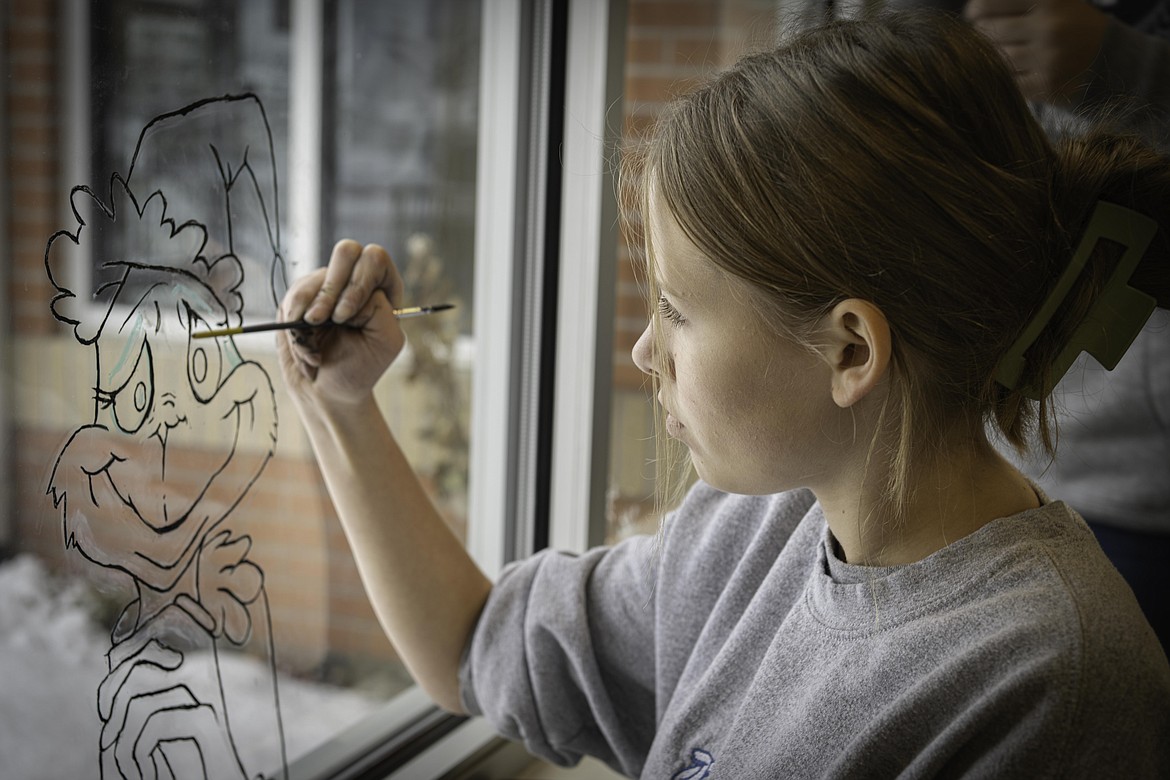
x,y
863,254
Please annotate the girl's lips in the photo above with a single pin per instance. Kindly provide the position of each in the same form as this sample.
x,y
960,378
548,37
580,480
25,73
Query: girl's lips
x,y
673,426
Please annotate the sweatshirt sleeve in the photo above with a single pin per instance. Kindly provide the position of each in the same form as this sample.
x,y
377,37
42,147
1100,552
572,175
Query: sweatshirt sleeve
x,y
563,656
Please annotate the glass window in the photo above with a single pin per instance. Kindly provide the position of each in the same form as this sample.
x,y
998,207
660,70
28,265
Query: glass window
x,y
668,47
150,64
174,588
404,78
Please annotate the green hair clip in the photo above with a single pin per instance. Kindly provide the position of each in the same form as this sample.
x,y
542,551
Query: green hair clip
x,y
1115,318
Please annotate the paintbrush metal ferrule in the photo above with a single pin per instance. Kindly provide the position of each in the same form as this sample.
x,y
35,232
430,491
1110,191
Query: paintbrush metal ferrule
x,y
418,311
404,313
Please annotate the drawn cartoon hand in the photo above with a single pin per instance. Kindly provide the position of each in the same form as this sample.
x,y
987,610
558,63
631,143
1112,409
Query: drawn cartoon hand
x,y
358,289
156,725
228,584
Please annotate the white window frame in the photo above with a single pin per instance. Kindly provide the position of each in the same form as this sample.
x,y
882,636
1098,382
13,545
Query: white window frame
x,y
585,307
496,254
306,67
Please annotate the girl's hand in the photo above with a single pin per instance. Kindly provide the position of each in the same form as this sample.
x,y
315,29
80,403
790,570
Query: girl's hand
x,y
357,292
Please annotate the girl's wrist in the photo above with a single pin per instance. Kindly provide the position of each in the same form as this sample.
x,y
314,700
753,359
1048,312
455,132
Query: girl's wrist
x,y
333,412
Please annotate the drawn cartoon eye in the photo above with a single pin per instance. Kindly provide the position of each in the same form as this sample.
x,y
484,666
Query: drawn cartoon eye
x,y
132,402
104,399
204,361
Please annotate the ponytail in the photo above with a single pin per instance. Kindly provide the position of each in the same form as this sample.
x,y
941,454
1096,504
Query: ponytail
x,y
1125,170
1111,236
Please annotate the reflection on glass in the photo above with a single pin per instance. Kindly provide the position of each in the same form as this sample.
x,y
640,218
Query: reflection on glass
x,y
668,48
175,592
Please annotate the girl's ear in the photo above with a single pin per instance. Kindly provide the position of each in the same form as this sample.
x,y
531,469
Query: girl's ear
x,y
857,346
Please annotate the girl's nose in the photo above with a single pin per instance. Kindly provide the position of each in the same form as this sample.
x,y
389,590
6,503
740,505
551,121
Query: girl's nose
x,y
643,351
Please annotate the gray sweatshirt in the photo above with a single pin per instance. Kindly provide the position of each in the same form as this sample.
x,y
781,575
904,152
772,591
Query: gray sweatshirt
x,y
738,645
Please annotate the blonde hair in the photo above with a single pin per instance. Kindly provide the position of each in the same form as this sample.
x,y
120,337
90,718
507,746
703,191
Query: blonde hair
x,y
894,160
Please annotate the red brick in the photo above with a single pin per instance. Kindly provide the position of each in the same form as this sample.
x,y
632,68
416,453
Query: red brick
x,y
35,167
32,9
626,376
680,13
700,53
643,49
31,140
657,89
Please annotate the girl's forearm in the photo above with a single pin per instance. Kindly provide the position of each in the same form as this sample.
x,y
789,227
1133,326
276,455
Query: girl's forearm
x,y
424,586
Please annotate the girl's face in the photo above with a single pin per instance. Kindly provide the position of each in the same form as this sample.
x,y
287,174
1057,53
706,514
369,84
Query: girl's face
x,y
754,409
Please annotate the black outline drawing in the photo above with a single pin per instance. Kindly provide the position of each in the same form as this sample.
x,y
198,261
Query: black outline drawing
x,y
124,505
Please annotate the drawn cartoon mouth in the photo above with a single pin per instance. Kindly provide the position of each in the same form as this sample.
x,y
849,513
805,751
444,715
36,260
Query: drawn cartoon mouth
x,y
163,502
162,522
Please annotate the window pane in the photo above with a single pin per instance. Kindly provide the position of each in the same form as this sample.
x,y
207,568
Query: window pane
x,y
404,79
172,577
151,59
669,46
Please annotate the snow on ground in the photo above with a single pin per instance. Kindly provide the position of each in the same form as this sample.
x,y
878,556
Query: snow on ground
x,y
52,660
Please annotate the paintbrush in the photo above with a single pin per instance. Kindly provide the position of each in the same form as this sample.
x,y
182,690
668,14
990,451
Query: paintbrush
x,y
410,311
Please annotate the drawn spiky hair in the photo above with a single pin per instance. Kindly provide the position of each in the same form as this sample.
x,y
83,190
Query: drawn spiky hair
x,y
128,244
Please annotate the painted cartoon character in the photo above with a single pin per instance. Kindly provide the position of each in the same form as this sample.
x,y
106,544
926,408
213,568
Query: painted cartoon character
x,y
136,500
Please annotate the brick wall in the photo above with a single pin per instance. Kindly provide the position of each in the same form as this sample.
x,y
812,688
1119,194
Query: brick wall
x,y
32,163
671,46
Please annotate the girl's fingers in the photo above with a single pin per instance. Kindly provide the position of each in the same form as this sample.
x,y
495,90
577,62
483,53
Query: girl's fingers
x,y
301,295
337,277
346,285
375,270
372,272
356,292
374,305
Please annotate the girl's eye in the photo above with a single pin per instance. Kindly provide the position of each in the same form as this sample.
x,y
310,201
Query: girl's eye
x,y
668,312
